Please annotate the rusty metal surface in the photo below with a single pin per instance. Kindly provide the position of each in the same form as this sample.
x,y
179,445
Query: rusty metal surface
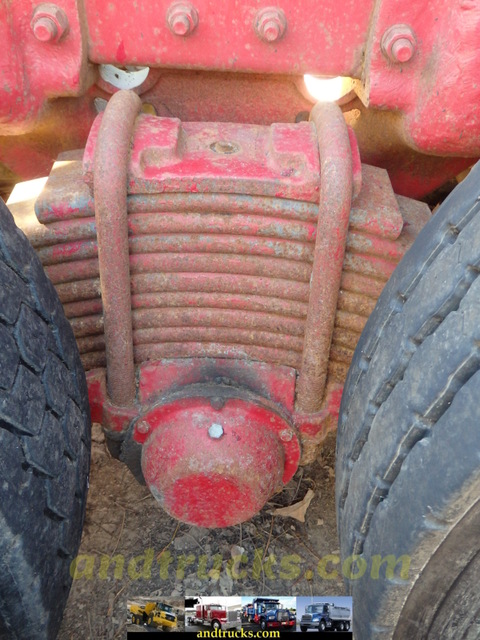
x,y
229,40
223,278
110,192
43,54
175,290
212,432
191,96
406,62
173,156
333,217
204,453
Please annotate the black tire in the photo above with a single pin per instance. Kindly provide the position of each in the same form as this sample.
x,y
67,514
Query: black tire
x,y
216,624
44,444
408,447
263,625
135,618
303,629
321,625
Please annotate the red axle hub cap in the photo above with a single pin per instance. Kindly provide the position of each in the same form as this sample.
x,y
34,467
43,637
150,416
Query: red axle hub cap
x,y
215,467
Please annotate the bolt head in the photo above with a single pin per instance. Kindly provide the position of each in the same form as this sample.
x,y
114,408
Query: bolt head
x,y
181,25
143,427
399,43
44,29
270,24
217,402
49,23
271,30
286,435
182,18
403,50
215,431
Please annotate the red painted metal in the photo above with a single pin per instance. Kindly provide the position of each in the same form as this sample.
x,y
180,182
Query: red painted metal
x,y
274,383
49,23
227,40
333,218
183,302
436,91
180,295
160,379
43,55
182,18
221,232
216,467
171,156
416,63
110,192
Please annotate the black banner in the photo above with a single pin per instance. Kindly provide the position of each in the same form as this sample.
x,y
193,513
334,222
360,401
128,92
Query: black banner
x,y
237,633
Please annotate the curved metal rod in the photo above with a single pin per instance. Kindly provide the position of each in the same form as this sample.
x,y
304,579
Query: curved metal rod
x,y
112,155
334,212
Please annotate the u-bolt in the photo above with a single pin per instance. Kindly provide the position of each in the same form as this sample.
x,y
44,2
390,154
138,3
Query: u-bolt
x,y
112,154
332,228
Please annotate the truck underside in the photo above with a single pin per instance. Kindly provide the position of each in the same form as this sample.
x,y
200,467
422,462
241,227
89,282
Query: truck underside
x,y
225,249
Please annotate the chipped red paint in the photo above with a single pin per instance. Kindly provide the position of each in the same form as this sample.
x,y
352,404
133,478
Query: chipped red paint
x,y
275,383
333,220
110,196
406,62
227,40
223,291
200,462
161,378
171,156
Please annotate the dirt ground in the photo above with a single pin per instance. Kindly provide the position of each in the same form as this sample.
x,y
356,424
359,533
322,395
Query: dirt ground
x,y
131,548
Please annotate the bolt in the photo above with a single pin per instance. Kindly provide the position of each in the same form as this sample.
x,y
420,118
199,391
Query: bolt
x,y
224,148
399,43
49,23
182,18
286,435
217,402
143,427
215,430
270,24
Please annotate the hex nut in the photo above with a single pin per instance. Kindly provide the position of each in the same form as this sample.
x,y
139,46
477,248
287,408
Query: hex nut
x,y
399,43
215,430
49,23
286,435
270,24
142,427
182,18
217,402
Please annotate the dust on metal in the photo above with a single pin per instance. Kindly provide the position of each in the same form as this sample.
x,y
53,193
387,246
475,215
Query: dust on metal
x,y
201,471
110,194
142,427
333,220
270,24
399,43
182,18
224,147
219,276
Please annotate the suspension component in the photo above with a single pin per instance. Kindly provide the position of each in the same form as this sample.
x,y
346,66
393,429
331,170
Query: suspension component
x,y
253,262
